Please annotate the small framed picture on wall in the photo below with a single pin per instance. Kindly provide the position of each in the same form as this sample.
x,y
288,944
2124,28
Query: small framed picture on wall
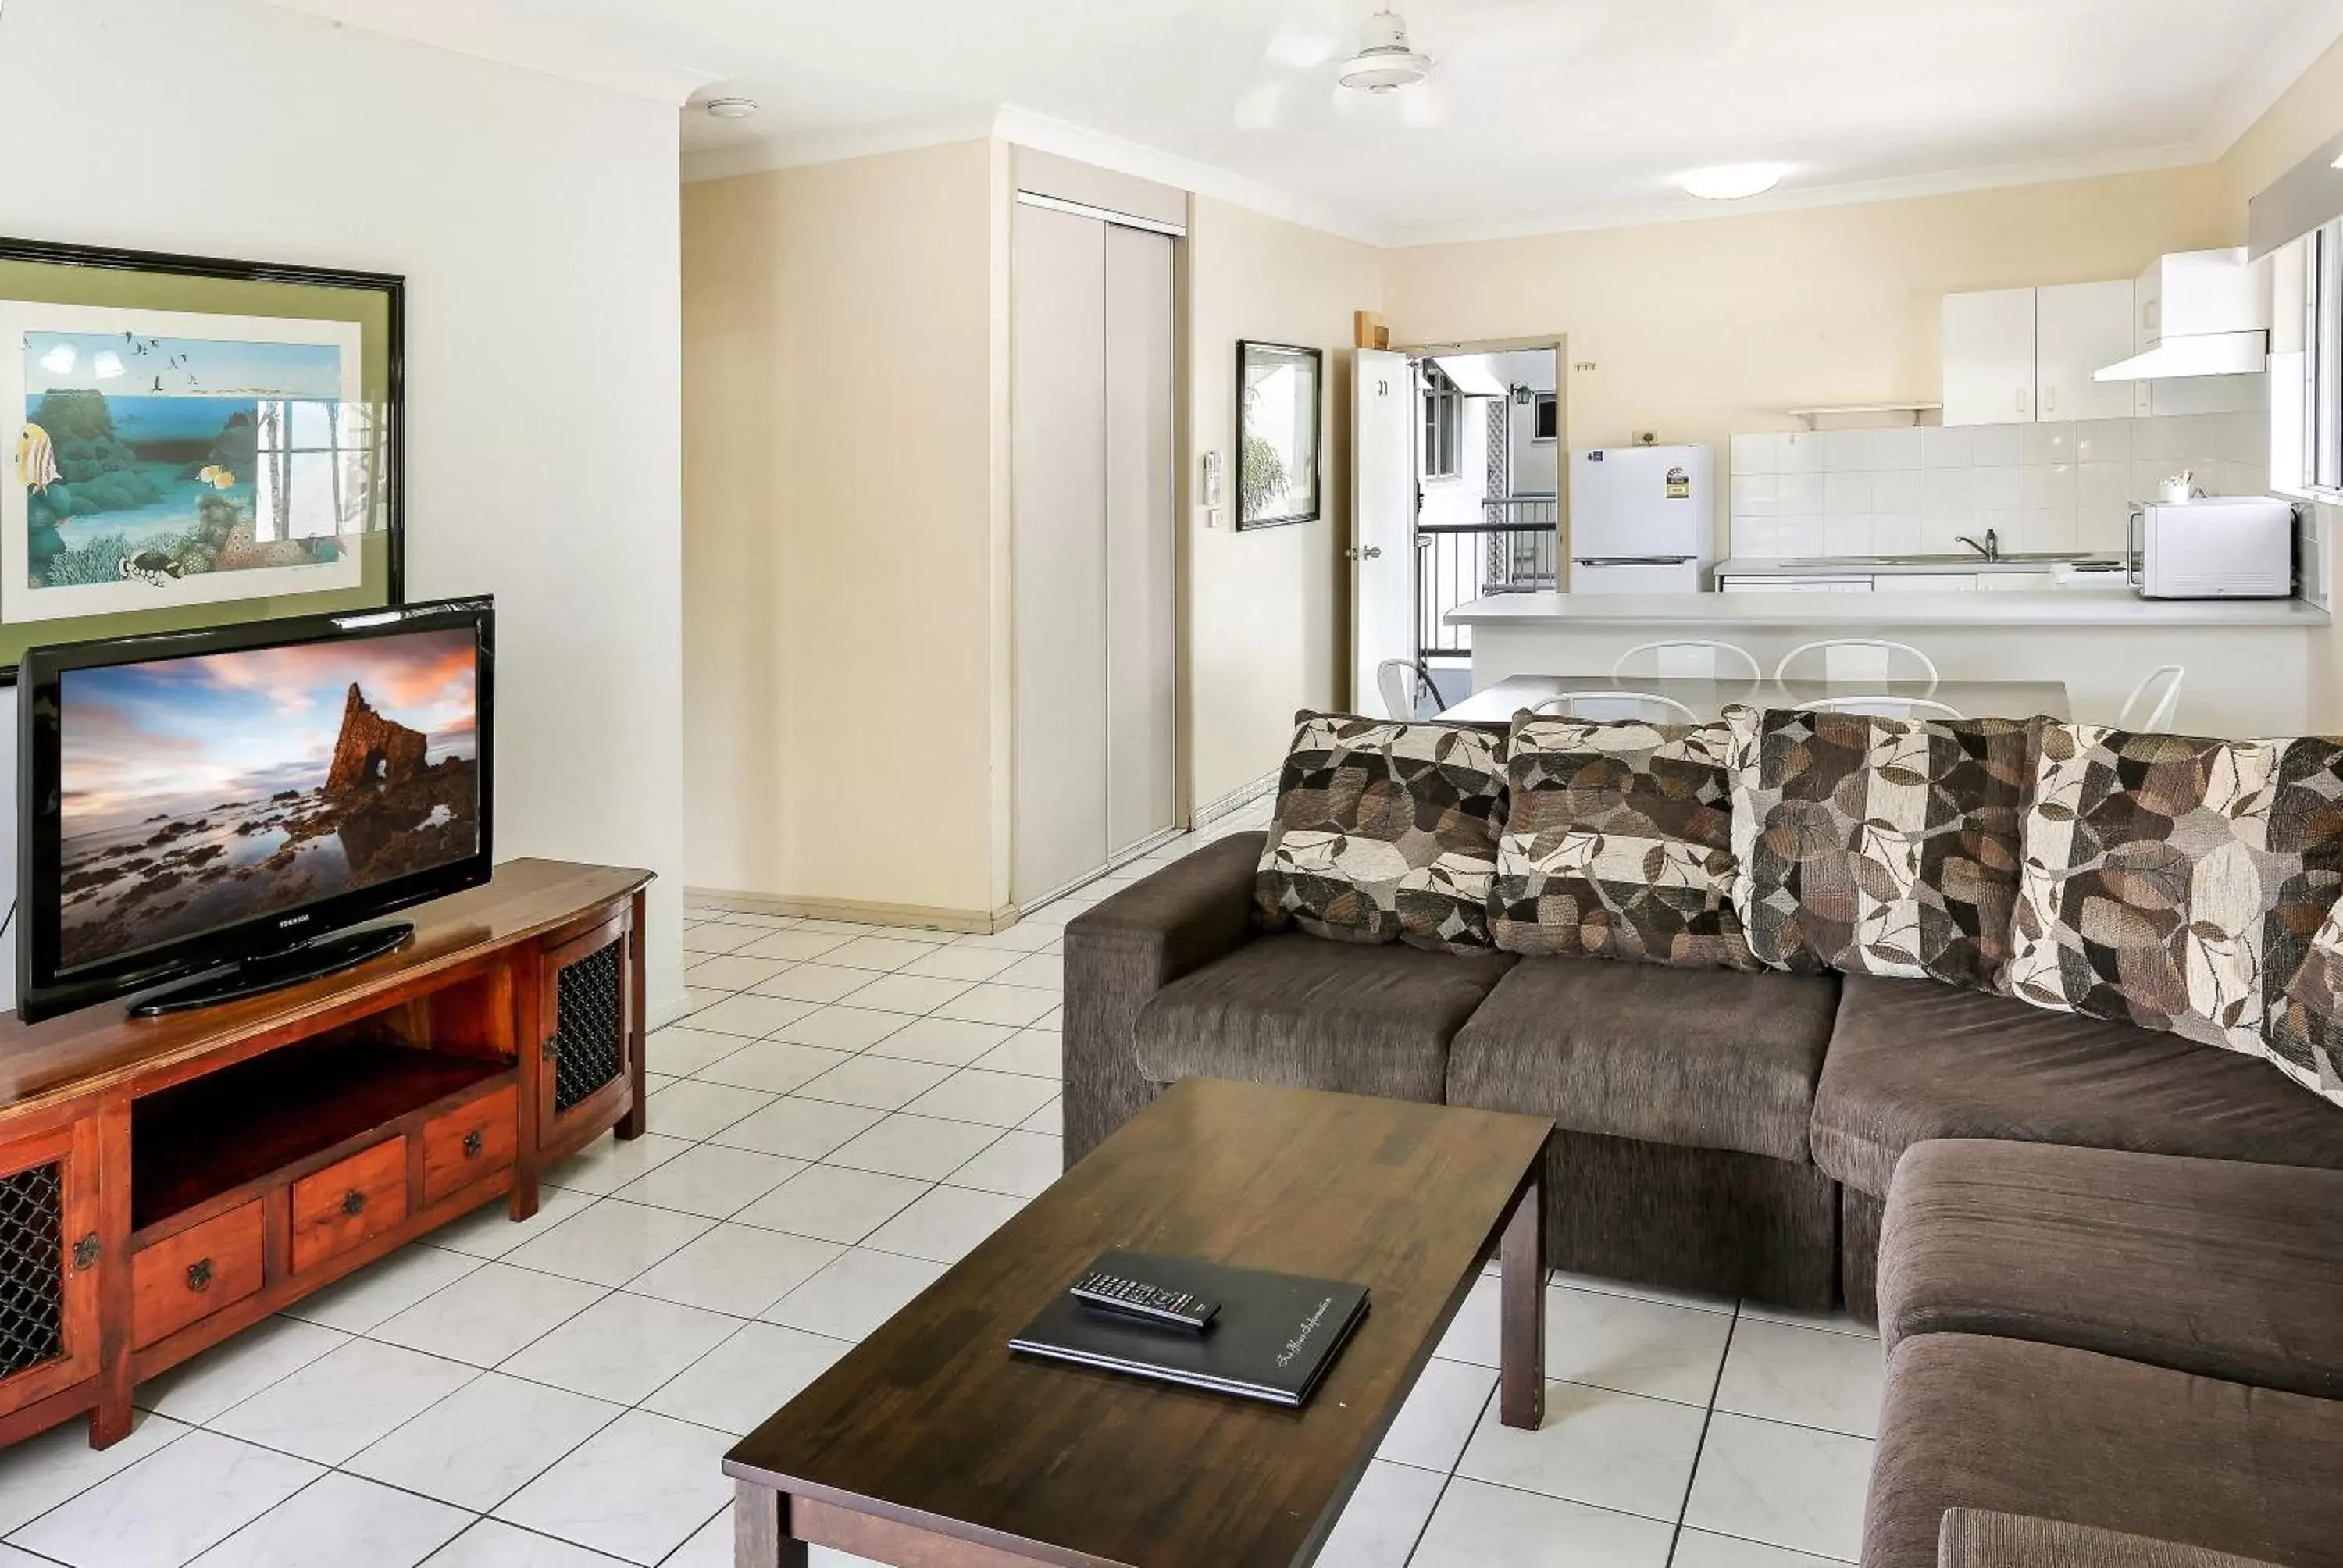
x,y
1279,393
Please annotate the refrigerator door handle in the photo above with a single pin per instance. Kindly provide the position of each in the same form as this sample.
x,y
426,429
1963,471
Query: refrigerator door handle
x,y
1630,560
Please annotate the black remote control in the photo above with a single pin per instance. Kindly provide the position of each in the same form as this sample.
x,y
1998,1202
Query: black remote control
x,y
1138,1299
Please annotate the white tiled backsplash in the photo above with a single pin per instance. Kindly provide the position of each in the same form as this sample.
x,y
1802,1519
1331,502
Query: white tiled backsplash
x,y
1909,490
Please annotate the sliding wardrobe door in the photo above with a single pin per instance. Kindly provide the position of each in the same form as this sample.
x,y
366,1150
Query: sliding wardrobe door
x,y
1059,402
1142,720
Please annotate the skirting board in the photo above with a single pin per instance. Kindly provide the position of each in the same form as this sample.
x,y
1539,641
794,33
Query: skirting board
x,y
923,915
1237,799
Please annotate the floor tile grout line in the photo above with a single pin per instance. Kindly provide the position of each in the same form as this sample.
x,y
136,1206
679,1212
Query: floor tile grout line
x,y
1699,1449
1448,1480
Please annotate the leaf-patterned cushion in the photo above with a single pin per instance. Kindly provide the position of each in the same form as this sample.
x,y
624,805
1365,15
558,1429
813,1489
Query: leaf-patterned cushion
x,y
2305,1030
1385,832
1878,846
2176,883
1618,843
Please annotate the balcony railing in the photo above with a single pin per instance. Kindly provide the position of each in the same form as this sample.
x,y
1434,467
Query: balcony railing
x,y
1513,550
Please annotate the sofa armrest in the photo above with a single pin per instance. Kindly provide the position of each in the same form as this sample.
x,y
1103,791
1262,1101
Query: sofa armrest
x,y
1124,949
1980,1538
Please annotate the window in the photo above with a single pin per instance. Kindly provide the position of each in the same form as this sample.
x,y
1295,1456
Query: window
x,y
1545,416
1444,408
2323,340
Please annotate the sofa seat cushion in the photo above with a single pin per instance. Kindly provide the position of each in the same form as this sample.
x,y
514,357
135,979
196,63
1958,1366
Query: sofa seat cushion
x,y
1911,1061
1971,1421
1289,1009
2210,1266
1704,1058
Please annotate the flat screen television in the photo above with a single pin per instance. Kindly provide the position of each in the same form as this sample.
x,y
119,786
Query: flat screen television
x,y
219,807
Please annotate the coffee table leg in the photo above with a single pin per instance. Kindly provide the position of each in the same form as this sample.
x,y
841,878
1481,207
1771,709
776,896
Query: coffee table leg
x,y
760,1536
1521,1346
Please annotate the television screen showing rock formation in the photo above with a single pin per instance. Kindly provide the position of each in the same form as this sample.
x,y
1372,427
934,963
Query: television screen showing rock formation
x,y
199,792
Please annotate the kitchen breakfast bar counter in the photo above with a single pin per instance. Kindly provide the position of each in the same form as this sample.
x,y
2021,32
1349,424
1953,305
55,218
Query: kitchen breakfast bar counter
x,y
2250,660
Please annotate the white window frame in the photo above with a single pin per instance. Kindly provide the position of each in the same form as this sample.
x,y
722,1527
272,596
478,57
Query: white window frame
x,y
1443,425
2306,412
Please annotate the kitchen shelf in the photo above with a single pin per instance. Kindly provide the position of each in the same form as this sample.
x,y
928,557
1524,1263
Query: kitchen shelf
x,y
1914,410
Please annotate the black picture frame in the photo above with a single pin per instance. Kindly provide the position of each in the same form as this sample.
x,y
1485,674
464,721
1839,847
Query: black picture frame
x,y
1271,466
391,286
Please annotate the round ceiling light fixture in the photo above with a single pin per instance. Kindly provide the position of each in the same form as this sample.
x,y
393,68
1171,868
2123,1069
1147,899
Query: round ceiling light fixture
x,y
730,108
1732,182
1384,64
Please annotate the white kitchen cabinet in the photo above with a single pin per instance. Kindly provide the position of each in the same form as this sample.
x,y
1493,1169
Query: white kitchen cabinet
x,y
1989,350
1924,582
2015,582
2077,328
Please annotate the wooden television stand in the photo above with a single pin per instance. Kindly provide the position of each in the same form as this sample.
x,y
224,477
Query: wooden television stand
x,y
165,1182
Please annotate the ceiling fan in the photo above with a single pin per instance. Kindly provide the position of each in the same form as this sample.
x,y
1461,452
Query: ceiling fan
x,y
1309,46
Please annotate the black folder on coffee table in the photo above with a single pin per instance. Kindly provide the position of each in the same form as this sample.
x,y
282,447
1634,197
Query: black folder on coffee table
x,y
1272,1339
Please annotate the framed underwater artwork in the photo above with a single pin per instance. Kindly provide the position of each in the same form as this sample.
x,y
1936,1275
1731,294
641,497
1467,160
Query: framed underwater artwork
x,y
193,442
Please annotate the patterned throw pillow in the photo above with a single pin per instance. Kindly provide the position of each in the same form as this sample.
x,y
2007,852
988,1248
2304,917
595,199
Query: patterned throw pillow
x,y
1878,846
2305,1031
2176,883
1385,832
1618,843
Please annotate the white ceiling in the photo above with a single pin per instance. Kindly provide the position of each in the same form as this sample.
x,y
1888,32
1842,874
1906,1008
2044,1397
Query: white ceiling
x,y
1558,112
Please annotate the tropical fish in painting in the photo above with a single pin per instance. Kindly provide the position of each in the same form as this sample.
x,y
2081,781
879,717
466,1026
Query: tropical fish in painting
x,y
36,459
152,568
217,477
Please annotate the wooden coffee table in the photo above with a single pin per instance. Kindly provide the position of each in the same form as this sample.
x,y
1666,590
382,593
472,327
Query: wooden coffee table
x,y
930,1445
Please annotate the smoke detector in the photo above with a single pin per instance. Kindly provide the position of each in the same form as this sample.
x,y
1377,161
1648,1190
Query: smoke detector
x,y
1384,64
730,108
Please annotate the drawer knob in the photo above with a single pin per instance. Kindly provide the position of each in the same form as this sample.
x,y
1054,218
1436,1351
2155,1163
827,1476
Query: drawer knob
x,y
199,1274
355,1202
84,1252
473,1143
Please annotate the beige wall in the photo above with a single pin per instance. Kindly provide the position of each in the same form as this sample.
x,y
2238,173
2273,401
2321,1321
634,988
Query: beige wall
x,y
1699,329
840,391
1267,610
2307,115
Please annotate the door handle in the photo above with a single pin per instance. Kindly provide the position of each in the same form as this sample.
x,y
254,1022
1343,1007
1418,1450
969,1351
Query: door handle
x,y
1372,553
354,1203
199,1275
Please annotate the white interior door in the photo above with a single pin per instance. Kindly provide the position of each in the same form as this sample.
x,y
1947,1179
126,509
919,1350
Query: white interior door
x,y
1059,395
1143,719
1383,528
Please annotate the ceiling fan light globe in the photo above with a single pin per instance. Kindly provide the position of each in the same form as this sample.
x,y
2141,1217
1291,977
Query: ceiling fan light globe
x,y
1732,182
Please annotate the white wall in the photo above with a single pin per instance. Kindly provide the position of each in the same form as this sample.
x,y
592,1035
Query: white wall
x,y
534,220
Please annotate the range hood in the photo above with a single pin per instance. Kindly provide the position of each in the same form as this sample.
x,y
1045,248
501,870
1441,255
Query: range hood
x,y
2201,312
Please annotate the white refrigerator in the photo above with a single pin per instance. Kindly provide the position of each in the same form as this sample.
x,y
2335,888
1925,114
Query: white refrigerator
x,y
1640,519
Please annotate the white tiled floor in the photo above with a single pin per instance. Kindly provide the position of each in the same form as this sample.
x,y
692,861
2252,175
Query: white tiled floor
x,y
847,1110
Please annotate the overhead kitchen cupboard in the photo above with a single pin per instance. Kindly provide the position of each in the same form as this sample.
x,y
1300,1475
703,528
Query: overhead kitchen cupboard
x,y
2021,355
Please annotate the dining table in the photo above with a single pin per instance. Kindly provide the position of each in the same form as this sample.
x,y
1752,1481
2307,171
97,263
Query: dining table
x,y
1708,697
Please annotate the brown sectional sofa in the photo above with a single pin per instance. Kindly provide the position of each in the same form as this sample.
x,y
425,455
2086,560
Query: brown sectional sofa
x,y
2124,1317
1715,1130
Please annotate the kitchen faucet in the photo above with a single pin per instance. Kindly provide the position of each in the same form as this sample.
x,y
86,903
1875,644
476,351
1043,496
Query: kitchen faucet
x,y
1990,550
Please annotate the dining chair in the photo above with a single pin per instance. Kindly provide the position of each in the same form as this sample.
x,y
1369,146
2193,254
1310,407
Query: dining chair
x,y
1693,660
1407,691
1881,705
1618,705
1858,658
2158,713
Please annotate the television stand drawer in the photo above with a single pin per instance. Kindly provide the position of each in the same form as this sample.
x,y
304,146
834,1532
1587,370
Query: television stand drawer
x,y
185,1278
470,1142
338,1208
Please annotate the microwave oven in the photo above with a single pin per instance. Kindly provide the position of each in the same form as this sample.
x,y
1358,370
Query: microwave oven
x,y
2217,546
